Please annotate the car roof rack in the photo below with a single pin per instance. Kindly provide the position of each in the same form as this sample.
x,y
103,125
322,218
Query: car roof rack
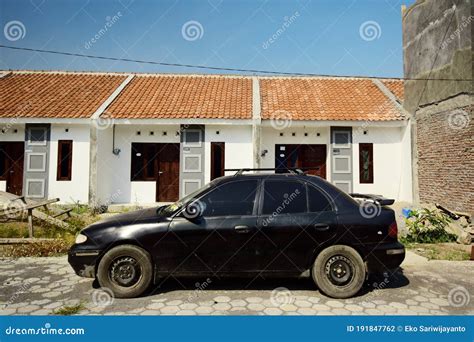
x,y
295,171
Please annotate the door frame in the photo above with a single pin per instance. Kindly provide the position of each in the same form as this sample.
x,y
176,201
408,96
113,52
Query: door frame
x,y
298,150
214,146
9,163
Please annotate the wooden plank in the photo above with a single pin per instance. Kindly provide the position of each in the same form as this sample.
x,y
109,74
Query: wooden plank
x,y
67,211
31,205
47,218
30,223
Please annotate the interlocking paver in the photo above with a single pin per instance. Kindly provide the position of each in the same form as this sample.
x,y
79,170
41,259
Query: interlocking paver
x,y
38,286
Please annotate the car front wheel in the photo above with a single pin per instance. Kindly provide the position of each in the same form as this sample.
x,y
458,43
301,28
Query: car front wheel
x,y
126,270
339,271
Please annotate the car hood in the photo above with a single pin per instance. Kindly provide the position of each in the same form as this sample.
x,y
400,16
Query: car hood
x,y
134,217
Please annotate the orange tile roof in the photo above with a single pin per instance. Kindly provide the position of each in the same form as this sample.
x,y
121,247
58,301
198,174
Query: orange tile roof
x,y
54,95
325,99
179,96
78,95
396,87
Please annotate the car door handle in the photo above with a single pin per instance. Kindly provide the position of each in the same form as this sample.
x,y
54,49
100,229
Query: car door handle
x,y
242,229
321,226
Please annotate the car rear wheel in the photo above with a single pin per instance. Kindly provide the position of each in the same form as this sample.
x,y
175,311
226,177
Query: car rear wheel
x,y
126,270
339,271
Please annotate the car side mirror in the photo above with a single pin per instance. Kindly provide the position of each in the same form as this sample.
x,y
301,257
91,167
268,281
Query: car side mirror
x,y
193,210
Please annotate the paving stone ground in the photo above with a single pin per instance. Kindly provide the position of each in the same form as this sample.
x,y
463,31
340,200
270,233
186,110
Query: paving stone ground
x,y
39,286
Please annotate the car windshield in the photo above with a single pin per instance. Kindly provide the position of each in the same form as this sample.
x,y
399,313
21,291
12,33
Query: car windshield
x,y
170,209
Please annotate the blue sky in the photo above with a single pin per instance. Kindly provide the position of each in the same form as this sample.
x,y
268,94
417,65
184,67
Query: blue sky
x,y
343,37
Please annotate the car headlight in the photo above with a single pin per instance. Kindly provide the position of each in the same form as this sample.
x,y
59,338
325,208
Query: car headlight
x,y
81,238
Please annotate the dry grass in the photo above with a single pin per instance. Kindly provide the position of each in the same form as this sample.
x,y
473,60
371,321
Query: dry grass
x,y
441,251
61,239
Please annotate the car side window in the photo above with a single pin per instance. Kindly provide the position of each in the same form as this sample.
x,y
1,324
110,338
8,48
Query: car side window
x,y
235,198
284,197
317,200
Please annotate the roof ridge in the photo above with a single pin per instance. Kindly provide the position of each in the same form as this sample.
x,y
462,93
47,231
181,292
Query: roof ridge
x,y
150,74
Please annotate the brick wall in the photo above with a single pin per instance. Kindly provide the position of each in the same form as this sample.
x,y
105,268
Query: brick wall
x,y
446,158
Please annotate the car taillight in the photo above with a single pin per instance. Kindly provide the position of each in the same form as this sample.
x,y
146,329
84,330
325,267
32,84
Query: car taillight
x,y
393,230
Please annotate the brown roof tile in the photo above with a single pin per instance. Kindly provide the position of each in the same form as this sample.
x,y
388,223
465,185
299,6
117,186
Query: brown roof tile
x,y
396,87
325,99
55,95
172,97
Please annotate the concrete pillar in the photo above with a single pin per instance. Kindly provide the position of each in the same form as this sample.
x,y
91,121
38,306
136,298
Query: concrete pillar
x,y
256,123
98,123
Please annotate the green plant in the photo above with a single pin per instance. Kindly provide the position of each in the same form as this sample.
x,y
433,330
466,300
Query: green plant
x,y
428,226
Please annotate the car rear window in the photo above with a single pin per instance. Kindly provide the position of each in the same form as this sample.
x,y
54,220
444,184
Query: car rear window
x,y
284,197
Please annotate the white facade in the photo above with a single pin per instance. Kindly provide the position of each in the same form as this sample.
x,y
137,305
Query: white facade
x,y
77,189
392,161
391,155
238,146
114,170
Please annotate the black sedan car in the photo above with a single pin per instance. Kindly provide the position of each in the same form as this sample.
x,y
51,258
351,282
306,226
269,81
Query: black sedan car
x,y
288,224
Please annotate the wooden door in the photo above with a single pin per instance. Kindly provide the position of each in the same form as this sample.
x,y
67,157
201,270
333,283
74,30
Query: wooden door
x,y
217,159
12,155
312,158
167,182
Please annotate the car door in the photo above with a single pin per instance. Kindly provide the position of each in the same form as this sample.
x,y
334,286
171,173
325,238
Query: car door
x,y
219,240
289,232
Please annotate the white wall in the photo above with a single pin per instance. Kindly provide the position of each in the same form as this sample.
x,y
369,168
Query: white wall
x,y
238,147
392,156
12,132
77,189
391,162
115,170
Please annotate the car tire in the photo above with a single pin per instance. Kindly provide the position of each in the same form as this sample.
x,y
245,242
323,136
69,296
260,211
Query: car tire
x,y
126,270
339,271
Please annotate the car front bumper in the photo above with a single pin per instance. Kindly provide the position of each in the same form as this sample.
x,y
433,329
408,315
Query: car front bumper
x,y
385,257
83,260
